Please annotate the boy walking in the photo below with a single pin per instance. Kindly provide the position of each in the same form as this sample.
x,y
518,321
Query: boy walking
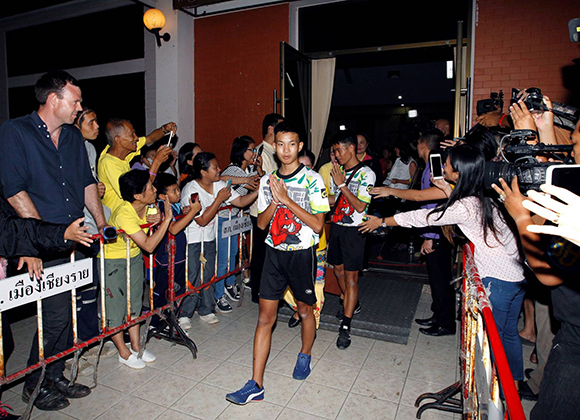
x,y
291,201
350,194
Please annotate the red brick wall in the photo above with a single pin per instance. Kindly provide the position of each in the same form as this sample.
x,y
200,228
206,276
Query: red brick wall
x,y
523,43
237,62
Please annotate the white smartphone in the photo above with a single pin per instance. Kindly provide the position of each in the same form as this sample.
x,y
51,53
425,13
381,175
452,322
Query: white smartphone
x,y
565,176
436,166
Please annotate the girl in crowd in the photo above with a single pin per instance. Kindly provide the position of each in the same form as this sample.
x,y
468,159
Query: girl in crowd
x,y
138,193
185,159
403,169
201,232
244,162
496,248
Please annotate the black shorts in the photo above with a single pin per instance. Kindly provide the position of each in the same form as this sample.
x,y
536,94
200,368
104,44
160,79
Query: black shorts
x,y
346,245
296,269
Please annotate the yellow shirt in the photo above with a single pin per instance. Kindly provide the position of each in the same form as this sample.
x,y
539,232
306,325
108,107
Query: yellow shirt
x,y
124,217
324,172
110,169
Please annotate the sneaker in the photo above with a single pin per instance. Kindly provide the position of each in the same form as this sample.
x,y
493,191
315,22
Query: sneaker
x,y
147,356
343,340
233,292
184,323
250,392
340,313
246,282
223,305
85,368
210,318
132,362
357,308
303,367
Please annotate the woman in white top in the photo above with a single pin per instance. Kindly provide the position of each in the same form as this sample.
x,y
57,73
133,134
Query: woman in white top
x,y
497,255
201,232
402,171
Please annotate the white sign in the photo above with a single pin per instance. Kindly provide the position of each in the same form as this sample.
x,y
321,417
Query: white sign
x,y
235,226
19,290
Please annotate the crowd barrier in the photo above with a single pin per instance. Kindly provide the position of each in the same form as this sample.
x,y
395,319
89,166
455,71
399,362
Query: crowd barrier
x,y
484,365
67,278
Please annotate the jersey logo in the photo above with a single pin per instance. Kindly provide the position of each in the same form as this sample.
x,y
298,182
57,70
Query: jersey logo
x,y
285,228
343,212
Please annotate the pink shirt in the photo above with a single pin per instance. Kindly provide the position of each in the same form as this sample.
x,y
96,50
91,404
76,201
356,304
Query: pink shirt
x,y
495,259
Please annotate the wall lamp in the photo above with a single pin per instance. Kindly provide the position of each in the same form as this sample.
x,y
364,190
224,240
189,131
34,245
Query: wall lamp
x,y
154,21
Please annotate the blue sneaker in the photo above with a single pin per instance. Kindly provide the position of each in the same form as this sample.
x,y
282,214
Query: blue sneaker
x,y
303,367
250,392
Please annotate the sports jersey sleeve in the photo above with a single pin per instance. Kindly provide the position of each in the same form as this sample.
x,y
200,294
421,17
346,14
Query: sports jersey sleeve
x,y
366,181
317,195
264,195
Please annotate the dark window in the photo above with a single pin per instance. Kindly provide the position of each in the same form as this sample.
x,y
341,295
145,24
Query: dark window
x,y
98,38
374,23
110,97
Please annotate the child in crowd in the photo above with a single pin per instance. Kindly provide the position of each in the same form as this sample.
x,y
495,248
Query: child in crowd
x,y
306,158
185,159
168,191
201,232
291,201
137,192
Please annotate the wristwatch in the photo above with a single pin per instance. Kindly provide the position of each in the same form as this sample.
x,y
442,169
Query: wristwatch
x,y
384,224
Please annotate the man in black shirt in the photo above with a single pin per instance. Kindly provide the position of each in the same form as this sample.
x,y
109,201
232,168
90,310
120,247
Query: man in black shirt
x,y
45,175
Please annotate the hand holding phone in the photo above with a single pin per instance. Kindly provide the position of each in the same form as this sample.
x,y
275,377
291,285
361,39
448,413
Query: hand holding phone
x,y
436,165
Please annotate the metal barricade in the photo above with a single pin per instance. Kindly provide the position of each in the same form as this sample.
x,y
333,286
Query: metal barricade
x,y
484,365
69,279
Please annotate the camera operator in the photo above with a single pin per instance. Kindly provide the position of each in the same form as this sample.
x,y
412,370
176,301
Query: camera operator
x,y
556,263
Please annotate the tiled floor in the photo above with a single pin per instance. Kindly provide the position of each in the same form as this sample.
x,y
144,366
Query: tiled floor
x,y
370,380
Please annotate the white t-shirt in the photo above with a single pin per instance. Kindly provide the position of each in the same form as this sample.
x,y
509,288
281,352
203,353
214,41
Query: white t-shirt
x,y
195,232
400,170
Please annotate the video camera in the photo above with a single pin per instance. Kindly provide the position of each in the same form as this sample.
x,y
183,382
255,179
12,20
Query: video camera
x,y
530,172
487,105
565,116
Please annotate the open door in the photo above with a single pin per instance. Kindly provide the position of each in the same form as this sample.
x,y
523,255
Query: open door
x,y
295,89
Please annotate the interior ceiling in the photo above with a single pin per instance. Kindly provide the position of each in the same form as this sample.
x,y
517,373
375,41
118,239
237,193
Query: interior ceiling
x,y
393,58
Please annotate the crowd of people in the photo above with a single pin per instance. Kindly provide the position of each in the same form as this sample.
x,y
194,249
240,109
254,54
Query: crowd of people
x,y
57,191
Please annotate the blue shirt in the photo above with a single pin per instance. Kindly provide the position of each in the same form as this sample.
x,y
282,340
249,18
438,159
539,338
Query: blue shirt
x,y
162,251
55,179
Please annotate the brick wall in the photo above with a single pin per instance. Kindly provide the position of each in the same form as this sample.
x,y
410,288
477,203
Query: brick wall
x,y
237,61
523,43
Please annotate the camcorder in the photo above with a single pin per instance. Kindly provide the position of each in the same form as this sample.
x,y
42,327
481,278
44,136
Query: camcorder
x,y
520,158
565,116
487,105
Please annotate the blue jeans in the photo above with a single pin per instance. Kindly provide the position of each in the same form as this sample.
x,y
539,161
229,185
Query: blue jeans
x,y
506,299
223,259
203,300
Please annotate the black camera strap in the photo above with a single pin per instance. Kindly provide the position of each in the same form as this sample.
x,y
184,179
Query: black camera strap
x,y
355,169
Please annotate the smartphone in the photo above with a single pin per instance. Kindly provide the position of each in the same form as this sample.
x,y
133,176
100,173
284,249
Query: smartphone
x,y
194,197
565,176
260,151
228,183
436,166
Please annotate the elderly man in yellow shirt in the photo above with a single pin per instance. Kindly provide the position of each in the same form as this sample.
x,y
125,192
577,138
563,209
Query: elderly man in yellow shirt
x,y
123,146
